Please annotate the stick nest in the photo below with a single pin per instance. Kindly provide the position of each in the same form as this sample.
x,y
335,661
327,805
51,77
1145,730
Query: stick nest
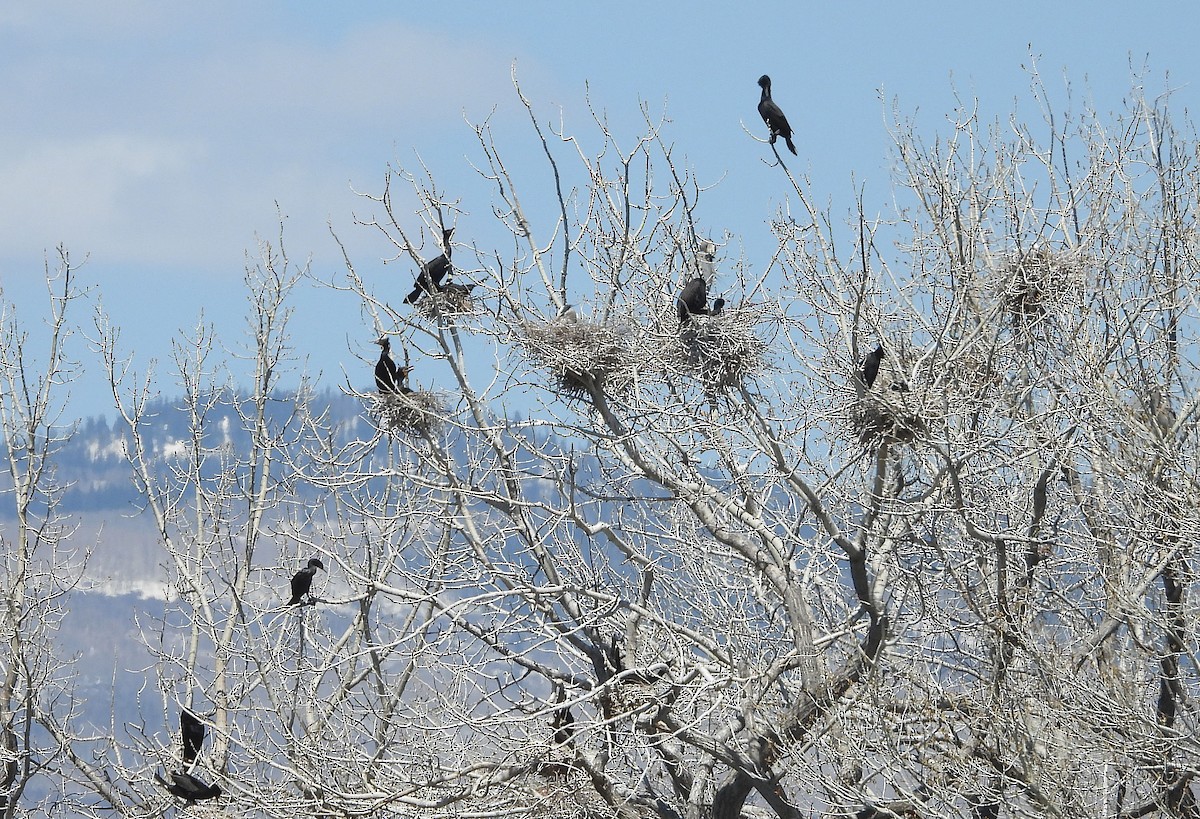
x,y
887,418
580,355
721,350
452,300
418,412
1040,282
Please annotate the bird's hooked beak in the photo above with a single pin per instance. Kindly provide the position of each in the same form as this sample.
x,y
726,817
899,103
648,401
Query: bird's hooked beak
x,y
383,341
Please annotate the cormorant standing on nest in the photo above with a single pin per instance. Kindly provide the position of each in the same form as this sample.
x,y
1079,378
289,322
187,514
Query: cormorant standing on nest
x,y
188,787
302,581
773,115
193,731
429,280
388,377
870,365
693,299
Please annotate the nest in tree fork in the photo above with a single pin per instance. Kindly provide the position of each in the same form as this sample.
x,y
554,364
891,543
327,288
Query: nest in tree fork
x,y
722,350
417,412
452,300
886,417
580,355
1039,282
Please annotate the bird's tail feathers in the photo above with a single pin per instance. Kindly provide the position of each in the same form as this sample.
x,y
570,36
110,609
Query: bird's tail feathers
x,y
791,146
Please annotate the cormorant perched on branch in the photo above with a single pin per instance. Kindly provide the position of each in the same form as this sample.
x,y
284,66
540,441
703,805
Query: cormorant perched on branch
x,y
188,787
563,721
429,280
388,377
193,731
773,115
302,581
870,365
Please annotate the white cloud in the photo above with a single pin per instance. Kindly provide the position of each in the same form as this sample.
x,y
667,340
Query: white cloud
x,y
174,153
87,187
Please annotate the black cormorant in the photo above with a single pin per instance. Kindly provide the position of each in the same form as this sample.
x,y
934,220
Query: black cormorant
x,y
693,299
192,730
563,721
188,787
429,280
388,377
302,581
870,365
772,115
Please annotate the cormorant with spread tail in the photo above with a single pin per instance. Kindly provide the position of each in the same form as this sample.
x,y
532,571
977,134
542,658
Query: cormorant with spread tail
x,y
302,581
193,731
429,280
772,114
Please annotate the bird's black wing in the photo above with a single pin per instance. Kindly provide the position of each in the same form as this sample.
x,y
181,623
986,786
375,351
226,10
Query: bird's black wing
x,y
193,731
692,299
870,366
192,789
773,116
434,271
429,280
301,583
387,378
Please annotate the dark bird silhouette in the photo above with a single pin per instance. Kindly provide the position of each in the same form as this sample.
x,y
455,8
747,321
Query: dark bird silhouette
x,y
188,787
693,299
613,665
388,377
429,280
563,721
773,115
302,581
193,731
870,365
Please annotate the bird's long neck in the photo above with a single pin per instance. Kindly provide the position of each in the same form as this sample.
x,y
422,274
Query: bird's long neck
x,y
766,92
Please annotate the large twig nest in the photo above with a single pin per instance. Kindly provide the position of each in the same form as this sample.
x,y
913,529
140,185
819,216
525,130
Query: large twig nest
x,y
888,411
1040,282
580,355
452,300
887,417
721,351
418,412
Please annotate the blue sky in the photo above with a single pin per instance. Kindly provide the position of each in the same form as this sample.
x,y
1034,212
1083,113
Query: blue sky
x,y
156,138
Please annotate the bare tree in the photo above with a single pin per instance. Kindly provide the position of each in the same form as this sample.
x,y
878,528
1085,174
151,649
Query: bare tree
x,y
38,563
631,561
